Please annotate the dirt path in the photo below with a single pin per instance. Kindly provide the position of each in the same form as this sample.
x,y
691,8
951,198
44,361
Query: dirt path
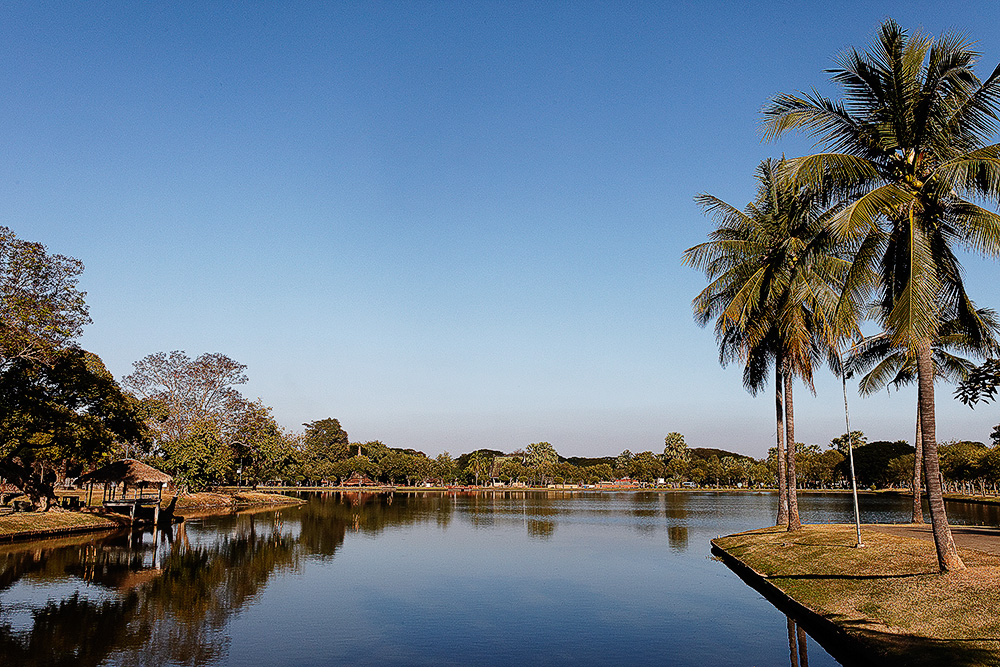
x,y
980,538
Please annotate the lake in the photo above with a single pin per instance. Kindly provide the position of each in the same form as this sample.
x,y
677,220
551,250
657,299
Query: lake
x,y
492,578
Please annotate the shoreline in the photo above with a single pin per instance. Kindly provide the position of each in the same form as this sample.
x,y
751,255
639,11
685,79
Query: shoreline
x,y
57,522
883,604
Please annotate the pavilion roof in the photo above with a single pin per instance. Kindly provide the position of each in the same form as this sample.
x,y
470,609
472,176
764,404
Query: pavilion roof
x,y
129,471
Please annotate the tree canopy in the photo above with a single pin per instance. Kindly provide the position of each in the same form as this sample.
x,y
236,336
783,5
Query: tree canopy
x,y
42,311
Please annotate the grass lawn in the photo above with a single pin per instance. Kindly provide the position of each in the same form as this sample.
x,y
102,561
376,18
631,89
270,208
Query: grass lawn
x,y
888,595
55,521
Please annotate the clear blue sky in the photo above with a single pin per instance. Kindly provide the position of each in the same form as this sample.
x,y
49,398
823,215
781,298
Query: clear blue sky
x,y
450,225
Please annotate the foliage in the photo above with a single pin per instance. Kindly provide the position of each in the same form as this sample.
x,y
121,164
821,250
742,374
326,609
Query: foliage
x,y
645,467
871,462
264,449
981,383
41,310
856,439
324,443
69,409
540,453
479,466
193,391
908,152
623,461
674,447
199,459
443,467
510,469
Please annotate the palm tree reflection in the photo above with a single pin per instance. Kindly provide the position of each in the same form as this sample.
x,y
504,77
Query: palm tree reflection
x,y
797,651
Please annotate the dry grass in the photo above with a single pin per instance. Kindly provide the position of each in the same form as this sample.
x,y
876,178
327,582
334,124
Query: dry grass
x,y
206,500
55,521
889,590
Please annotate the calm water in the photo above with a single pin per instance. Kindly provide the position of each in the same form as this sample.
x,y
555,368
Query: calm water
x,y
417,579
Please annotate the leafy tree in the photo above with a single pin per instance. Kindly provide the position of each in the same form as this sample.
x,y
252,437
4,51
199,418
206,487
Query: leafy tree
x,y
443,467
540,458
264,449
376,450
961,460
479,466
201,458
41,310
623,462
871,462
600,472
325,443
900,469
856,439
645,467
356,464
70,408
193,391
398,465
676,469
909,150
538,453
511,470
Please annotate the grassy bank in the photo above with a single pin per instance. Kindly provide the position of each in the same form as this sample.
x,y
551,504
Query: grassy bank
x,y
886,601
31,525
207,500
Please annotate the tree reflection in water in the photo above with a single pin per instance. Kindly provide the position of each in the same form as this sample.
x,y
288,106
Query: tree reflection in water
x,y
139,605
677,536
138,599
797,650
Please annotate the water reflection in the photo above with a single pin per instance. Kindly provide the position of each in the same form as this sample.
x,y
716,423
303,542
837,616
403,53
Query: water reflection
x,y
168,598
567,562
677,536
797,647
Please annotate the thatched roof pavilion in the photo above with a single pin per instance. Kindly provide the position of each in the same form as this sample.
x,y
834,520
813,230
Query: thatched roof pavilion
x,y
126,471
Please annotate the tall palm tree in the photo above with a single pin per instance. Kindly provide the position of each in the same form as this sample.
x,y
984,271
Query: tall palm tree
x,y
908,149
886,364
774,279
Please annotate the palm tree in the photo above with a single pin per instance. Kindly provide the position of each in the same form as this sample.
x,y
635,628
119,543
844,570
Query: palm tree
x,y
885,364
907,150
774,279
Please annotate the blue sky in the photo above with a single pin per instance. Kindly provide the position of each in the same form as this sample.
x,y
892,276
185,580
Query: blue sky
x,y
450,225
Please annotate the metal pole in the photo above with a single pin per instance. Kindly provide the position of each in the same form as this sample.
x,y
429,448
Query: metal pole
x,y
850,454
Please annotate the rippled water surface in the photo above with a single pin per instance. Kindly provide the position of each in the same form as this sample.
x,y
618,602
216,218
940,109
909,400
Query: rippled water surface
x,y
489,578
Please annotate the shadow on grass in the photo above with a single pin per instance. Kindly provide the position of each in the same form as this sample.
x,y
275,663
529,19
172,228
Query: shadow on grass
x,y
854,577
856,643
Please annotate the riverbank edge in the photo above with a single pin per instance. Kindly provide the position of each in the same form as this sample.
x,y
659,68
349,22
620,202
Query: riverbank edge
x,y
840,643
91,521
858,638
234,500
94,523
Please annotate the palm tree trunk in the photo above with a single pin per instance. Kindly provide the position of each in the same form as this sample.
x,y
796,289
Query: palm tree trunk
x,y
794,523
948,558
918,460
780,416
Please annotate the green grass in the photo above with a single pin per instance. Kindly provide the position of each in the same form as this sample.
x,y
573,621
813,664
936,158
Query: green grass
x,y
887,595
